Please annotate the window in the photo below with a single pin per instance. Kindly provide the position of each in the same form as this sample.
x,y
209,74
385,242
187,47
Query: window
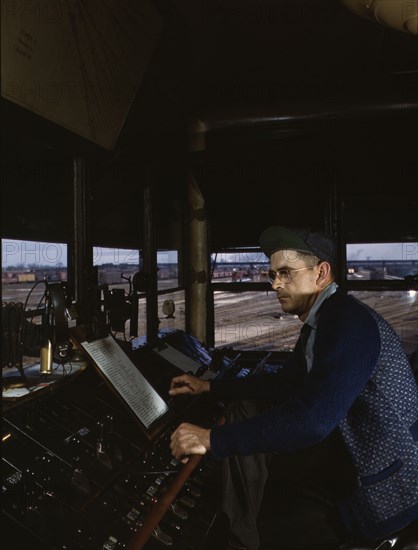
x,y
27,263
385,265
168,272
250,319
171,310
117,268
381,261
26,267
253,320
248,266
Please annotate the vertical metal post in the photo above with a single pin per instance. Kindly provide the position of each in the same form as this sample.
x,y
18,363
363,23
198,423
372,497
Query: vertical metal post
x,y
83,252
198,264
150,267
337,231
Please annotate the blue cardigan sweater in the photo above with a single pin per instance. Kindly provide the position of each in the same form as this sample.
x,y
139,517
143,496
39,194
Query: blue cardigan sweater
x,y
360,384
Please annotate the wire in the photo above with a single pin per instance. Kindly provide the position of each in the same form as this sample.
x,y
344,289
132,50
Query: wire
x,y
25,326
213,265
13,317
64,372
34,383
30,292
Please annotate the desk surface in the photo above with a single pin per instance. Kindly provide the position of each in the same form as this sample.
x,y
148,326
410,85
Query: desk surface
x,y
15,387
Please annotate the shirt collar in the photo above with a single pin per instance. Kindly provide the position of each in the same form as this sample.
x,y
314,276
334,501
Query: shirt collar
x,y
312,318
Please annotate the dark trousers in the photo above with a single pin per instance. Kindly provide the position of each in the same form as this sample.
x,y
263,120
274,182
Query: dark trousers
x,y
284,500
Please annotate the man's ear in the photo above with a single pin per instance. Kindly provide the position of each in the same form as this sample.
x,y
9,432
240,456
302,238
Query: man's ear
x,y
324,274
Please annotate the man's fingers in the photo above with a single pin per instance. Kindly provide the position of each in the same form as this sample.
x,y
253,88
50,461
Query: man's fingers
x,y
186,441
180,385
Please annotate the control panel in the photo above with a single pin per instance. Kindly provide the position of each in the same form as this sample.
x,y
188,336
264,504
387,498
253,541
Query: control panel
x,y
80,474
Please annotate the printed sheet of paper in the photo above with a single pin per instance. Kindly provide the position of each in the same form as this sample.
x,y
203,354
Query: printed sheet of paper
x,y
138,393
182,361
175,357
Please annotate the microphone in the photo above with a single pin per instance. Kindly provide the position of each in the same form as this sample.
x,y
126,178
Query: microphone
x,y
56,340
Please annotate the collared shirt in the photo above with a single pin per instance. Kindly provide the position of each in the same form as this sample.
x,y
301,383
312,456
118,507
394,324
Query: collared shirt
x,y
312,321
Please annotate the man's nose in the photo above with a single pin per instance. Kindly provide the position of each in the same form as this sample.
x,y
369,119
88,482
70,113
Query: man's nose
x,y
276,284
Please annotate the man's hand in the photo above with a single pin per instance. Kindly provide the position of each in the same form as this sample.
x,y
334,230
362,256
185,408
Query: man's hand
x,y
189,439
188,384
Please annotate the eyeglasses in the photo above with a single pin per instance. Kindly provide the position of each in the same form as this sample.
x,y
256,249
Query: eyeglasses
x,y
284,275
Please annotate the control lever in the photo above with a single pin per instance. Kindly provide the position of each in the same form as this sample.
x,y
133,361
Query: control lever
x,y
100,442
102,445
29,489
170,524
46,477
193,491
79,480
187,501
162,537
178,510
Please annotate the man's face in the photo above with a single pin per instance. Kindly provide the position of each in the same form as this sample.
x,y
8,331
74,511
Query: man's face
x,y
296,283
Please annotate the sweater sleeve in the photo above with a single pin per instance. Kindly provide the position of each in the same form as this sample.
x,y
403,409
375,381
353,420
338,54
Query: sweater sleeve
x,y
263,388
346,350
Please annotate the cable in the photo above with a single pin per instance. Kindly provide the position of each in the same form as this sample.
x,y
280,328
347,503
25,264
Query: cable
x,y
213,266
25,326
30,292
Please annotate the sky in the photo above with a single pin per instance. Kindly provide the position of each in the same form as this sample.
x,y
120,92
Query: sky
x,y
375,251
16,252
385,251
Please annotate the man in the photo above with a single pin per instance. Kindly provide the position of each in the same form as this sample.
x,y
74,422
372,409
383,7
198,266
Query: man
x,y
344,409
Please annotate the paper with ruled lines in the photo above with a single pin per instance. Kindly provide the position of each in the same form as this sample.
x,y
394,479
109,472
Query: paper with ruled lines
x,y
133,387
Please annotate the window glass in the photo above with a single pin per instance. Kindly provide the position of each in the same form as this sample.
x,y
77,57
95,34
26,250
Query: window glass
x,y
168,272
171,310
381,261
116,269
25,264
116,266
171,314
253,320
237,267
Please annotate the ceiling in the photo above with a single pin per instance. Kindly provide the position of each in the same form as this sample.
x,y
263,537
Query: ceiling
x,y
289,94
232,59
249,51
253,64
293,98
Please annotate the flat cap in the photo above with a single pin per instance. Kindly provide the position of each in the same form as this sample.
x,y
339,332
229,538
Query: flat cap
x,y
303,239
